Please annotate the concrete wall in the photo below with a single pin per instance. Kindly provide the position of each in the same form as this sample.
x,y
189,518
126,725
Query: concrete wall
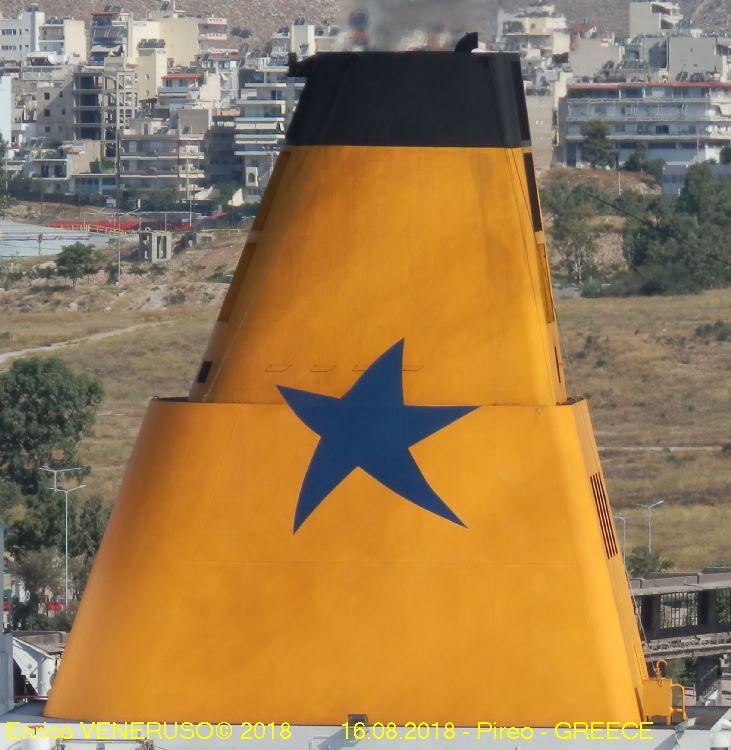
x,y
152,65
591,54
181,38
6,108
695,55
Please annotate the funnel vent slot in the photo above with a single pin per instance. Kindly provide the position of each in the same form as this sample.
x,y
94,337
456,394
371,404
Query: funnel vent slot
x,y
535,205
203,372
605,517
520,102
545,282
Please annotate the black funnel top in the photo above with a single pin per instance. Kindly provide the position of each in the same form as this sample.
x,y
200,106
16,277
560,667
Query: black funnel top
x,y
410,99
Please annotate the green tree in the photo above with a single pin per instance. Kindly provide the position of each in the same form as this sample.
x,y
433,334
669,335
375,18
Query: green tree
x,y
47,273
42,522
596,148
45,410
6,198
41,574
161,200
573,231
77,260
641,562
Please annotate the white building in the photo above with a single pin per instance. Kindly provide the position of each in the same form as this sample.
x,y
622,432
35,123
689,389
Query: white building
x,y
673,176
650,17
681,122
268,100
6,108
20,35
64,37
536,28
157,154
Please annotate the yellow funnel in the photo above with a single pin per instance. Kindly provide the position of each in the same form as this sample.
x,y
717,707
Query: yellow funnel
x,y
377,498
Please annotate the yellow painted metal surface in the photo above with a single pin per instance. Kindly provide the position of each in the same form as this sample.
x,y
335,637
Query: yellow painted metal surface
x,y
203,604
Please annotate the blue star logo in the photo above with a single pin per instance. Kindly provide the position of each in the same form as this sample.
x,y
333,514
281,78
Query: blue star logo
x,y
370,428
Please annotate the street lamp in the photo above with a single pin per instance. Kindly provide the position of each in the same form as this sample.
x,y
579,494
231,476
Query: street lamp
x,y
648,507
623,519
56,488
66,587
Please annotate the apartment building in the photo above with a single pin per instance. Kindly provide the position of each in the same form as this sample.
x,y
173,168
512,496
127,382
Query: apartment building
x,y
268,100
673,176
165,154
43,99
650,17
104,101
152,66
115,32
224,64
696,54
182,89
212,32
681,122
64,37
219,146
20,35
110,34
55,169
536,30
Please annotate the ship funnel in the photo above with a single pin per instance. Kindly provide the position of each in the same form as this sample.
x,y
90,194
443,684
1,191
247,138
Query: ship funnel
x,y
377,497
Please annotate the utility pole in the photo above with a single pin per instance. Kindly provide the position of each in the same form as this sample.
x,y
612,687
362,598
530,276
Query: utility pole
x,y
623,519
56,488
3,529
648,507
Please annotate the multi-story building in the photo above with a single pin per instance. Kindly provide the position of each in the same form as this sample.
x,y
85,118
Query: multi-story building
x,y
110,34
268,100
64,37
20,36
651,17
116,32
189,88
225,65
212,32
54,169
681,122
152,66
673,176
42,98
219,146
55,109
105,100
536,29
161,155
704,55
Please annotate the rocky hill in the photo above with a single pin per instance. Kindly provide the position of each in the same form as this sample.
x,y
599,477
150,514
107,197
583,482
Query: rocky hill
x,y
263,17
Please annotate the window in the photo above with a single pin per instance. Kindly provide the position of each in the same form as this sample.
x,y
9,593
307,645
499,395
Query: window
x,y
46,112
678,610
662,129
46,96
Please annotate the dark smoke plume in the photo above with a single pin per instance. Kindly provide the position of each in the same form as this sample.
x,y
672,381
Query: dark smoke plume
x,y
401,24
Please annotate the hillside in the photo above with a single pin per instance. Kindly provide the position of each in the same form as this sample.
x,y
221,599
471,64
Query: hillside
x,y
265,16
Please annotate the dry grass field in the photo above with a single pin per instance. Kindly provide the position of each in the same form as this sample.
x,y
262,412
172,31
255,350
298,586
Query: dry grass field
x,y
654,385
